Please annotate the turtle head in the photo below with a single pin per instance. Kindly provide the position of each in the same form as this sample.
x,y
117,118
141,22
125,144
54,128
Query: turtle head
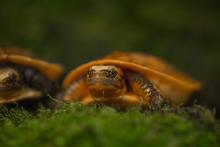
x,y
10,79
105,80
12,87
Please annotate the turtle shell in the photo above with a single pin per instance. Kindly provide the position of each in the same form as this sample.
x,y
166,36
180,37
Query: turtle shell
x,y
172,84
25,58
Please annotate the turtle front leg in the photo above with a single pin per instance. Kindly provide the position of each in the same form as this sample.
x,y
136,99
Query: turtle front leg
x,y
143,88
88,100
125,100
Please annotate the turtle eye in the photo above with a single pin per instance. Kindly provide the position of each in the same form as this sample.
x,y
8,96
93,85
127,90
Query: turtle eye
x,y
90,72
111,73
13,78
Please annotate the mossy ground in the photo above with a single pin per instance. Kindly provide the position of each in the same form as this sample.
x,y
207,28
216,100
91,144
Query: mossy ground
x,y
76,125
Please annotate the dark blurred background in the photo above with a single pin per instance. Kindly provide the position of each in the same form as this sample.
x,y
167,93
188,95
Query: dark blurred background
x,y
184,32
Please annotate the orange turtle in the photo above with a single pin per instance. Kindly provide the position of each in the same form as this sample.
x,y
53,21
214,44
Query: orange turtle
x,y
24,77
128,79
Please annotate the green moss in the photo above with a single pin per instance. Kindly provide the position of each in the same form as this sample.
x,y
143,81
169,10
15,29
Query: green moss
x,y
76,125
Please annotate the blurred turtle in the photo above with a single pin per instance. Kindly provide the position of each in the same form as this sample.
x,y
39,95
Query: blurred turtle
x,y
128,79
22,76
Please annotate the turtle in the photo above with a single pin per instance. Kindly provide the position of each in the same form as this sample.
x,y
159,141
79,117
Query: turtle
x,y
128,79
25,77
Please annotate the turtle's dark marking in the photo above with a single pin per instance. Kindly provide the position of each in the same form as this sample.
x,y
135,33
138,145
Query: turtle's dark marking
x,y
38,81
147,90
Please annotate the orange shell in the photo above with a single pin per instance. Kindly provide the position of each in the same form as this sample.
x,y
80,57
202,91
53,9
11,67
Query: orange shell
x,y
17,56
172,84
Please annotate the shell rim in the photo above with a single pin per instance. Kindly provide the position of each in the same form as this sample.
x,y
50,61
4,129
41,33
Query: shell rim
x,y
80,71
51,70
